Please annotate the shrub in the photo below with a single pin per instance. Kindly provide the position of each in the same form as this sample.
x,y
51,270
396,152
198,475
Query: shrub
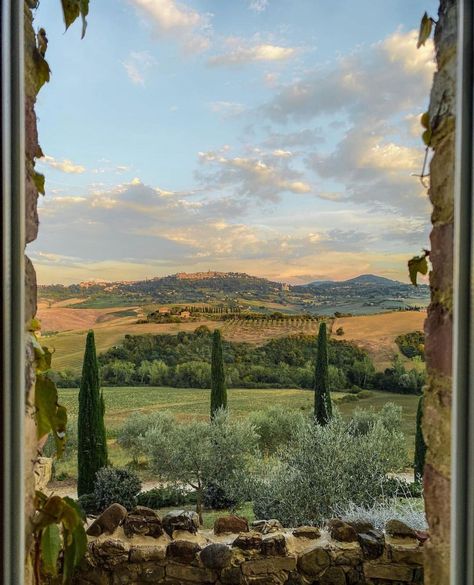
x,y
394,487
164,497
365,394
349,398
411,512
217,497
337,378
119,486
327,467
88,504
339,331
131,435
275,427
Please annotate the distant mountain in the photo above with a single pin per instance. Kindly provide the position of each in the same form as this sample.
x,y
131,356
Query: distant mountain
x,y
361,280
367,293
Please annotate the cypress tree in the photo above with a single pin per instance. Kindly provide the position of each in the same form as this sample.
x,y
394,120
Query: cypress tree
x,y
218,389
420,445
92,444
322,397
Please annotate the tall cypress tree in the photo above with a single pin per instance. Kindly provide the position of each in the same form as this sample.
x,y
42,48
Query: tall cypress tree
x,y
420,445
92,443
218,388
322,397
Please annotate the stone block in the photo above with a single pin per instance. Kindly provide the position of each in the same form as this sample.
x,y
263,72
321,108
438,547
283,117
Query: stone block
x,y
230,524
216,556
273,565
310,532
190,574
182,551
389,572
314,562
110,519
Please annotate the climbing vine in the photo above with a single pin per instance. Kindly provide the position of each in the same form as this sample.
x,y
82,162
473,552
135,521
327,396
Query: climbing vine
x,y
60,540
419,264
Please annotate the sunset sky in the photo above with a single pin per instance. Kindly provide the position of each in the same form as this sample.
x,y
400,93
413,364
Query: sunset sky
x,y
273,137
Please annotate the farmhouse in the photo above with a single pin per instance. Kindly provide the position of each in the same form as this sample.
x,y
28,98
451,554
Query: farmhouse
x,y
164,311
185,314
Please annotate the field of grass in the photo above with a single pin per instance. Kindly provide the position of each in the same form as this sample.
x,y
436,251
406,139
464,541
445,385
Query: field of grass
x,y
377,333
187,404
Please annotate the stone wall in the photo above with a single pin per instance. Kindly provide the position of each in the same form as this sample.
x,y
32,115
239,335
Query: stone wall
x,y
438,327
140,548
32,151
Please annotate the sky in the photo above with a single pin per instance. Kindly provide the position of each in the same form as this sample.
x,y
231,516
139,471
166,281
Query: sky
x,y
273,137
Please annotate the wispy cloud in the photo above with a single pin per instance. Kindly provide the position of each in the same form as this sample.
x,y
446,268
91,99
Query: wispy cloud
x,y
137,66
65,165
258,5
240,53
177,21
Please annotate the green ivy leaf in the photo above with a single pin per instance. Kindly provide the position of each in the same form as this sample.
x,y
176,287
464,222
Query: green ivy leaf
x,y
418,264
50,548
425,120
50,417
43,72
38,179
425,30
426,137
72,9
74,550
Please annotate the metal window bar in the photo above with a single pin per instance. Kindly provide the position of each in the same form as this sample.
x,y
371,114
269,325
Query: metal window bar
x,y
12,371
462,515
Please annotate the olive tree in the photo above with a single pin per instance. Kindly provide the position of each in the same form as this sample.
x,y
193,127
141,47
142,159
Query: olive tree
x,y
198,454
329,466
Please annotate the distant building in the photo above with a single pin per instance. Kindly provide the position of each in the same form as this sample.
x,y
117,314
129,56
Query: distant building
x,y
164,311
185,314
285,287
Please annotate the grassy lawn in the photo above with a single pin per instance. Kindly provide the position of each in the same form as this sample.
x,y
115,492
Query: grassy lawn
x,y
187,403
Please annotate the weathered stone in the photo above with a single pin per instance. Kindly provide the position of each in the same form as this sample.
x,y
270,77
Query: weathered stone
x,y
144,553
109,552
310,532
372,543
274,565
182,551
248,541
216,556
347,557
405,555
360,525
355,576
390,572
333,576
314,562
184,573
180,520
267,526
399,529
274,545
151,573
108,521
143,521
341,531
231,576
231,523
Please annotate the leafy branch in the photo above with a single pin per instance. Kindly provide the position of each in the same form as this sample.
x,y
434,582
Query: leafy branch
x,y
418,265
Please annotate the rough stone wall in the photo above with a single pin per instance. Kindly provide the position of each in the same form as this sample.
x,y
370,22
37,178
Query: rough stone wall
x,y
32,151
145,549
438,326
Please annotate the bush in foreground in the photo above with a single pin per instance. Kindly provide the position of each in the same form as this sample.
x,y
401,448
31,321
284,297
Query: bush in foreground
x,y
116,486
328,467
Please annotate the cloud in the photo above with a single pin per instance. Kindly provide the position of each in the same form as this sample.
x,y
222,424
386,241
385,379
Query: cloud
x,y
240,53
261,176
258,5
379,80
137,65
175,20
227,109
65,165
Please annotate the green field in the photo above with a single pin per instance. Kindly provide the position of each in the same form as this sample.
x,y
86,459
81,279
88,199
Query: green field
x,y
187,403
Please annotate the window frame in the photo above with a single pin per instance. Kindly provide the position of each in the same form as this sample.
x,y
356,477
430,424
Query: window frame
x,y
13,292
